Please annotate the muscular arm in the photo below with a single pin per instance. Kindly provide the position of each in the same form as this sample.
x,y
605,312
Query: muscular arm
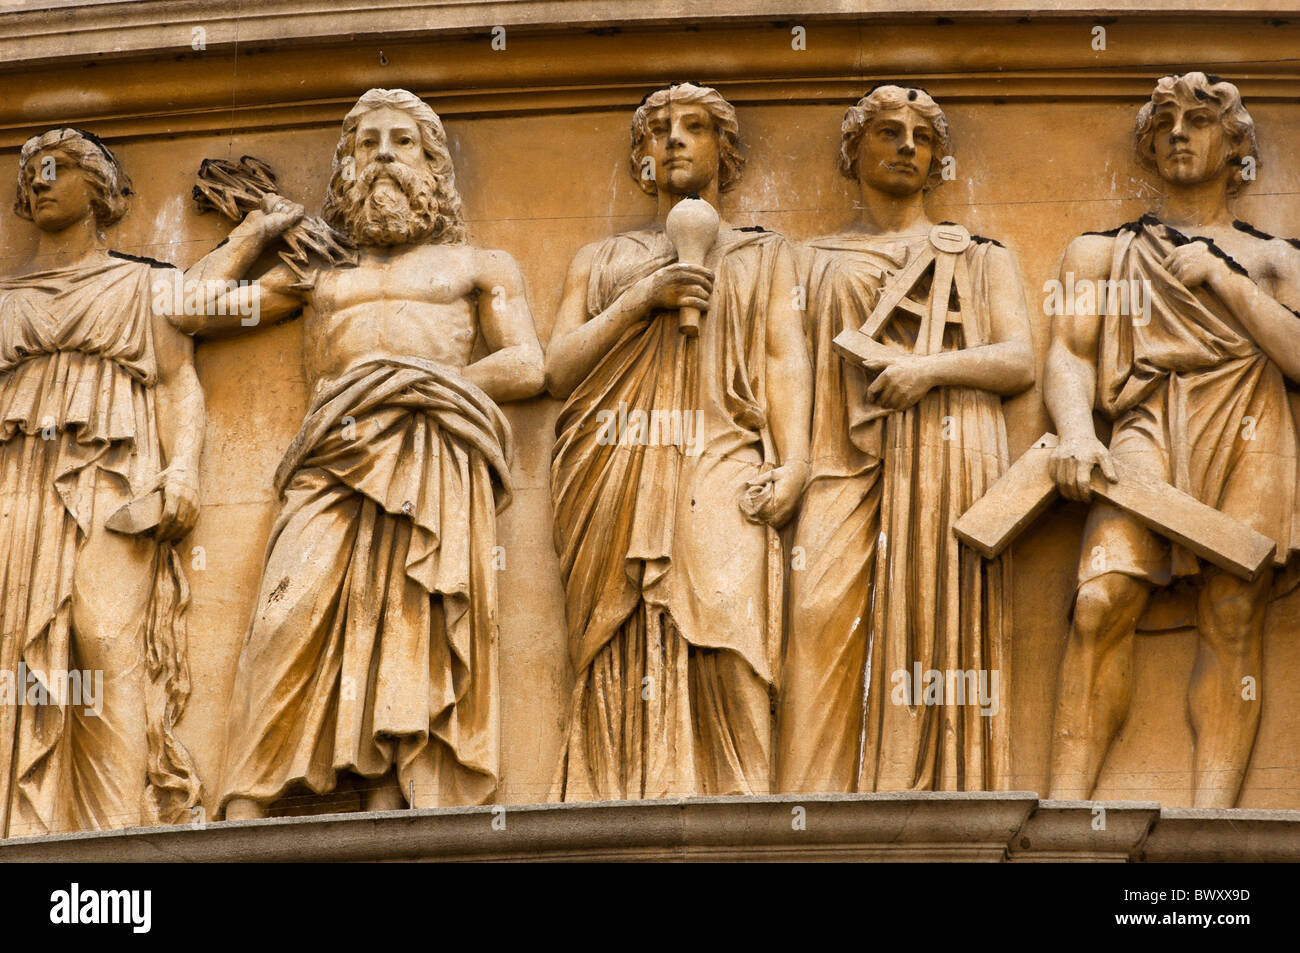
x,y
513,369
244,308
1268,317
268,299
1070,379
1070,376
1006,364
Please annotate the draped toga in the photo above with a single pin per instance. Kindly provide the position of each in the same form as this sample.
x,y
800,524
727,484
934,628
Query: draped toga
x,y
373,643
664,577
79,422
887,589
1196,403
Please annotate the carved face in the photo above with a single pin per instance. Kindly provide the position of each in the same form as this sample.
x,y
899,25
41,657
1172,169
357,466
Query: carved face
x,y
61,200
393,200
683,141
1190,144
895,151
387,135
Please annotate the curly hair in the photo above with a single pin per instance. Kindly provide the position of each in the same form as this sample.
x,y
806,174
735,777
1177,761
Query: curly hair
x,y
730,161
882,98
451,220
110,187
1200,87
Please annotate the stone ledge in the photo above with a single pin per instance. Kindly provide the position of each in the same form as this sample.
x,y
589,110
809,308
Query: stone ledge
x,y
172,90
1084,830
70,29
1188,834
893,827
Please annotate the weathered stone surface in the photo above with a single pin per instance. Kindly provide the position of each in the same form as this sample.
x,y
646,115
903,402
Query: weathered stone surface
x,y
1042,126
979,827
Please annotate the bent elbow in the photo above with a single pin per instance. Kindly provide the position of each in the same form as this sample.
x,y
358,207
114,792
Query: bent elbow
x,y
1023,372
556,382
1022,381
531,379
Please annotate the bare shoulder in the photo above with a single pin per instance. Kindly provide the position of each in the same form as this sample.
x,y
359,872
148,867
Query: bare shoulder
x,y
1089,255
1283,257
492,265
998,256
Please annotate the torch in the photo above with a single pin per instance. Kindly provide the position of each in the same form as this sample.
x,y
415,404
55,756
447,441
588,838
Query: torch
x,y
692,227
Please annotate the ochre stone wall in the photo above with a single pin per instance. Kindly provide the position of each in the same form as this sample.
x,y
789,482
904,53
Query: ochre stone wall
x,y
1043,153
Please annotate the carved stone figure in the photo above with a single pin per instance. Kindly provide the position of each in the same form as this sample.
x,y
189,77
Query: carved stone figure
x,y
898,659
100,412
1195,381
372,650
678,453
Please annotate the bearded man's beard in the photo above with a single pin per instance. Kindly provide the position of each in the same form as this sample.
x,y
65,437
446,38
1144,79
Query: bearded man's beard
x,y
392,204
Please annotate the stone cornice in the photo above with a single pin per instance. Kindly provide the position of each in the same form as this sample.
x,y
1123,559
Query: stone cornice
x,y
33,31
915,826
176,90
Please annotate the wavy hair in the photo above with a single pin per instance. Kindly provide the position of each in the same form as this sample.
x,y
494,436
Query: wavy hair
x,y
730,160
1200,87
449,226
110,187
882,98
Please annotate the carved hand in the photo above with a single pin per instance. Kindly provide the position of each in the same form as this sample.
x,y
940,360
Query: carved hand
x,y
673,286
901,384
180,486
1072,462
276,216
772,497
1194,264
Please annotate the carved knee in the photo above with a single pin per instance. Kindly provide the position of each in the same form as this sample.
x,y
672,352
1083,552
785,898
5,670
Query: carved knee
x,y
1228,611
1106,606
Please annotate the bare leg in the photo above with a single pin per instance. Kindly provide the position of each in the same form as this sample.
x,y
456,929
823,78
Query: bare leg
x,y
1231,621
1096,681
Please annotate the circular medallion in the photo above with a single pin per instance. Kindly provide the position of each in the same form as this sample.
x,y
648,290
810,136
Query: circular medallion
x,y
950,238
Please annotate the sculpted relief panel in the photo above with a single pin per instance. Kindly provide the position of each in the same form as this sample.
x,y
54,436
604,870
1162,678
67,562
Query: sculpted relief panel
x,y
782,493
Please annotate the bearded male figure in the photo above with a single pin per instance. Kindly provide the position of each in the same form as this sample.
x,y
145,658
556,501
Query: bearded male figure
x,y
665,543
901,447
99,407
372,650
1198,396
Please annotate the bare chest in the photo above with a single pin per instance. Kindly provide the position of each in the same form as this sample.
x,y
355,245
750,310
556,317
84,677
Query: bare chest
x,y
428,279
